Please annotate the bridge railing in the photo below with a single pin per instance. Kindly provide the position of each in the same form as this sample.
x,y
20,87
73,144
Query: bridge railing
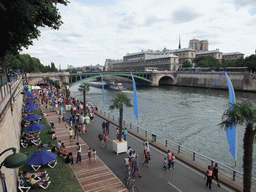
x,y
194,155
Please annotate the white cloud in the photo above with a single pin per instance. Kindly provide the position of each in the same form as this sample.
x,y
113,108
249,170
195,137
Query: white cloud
x,y
92,33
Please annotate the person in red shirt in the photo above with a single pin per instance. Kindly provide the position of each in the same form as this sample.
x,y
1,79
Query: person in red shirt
x,y
169,158
106,141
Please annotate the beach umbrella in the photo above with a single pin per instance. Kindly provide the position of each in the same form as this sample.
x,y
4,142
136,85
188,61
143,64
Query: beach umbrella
x,y
32,117
31,109
41,157
30,105
29,94
29,101
34,127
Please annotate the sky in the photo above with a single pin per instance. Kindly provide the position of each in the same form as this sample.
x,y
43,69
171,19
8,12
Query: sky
x,y
96,30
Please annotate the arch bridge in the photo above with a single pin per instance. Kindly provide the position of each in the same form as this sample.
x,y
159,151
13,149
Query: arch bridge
x,y
155,78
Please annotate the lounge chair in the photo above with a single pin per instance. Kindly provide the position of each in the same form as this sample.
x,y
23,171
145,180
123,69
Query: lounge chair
x,y
52,164
25,186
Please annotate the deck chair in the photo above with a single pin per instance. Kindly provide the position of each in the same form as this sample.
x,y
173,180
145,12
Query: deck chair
x,y
25,186
52,164
35,167
23,144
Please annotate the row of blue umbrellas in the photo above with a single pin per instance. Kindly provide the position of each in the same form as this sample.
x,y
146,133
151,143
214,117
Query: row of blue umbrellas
x,y
40,157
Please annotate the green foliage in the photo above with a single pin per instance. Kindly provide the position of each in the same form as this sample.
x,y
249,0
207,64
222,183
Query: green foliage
x,y
207,61
20,20
119,100
250,62
187,64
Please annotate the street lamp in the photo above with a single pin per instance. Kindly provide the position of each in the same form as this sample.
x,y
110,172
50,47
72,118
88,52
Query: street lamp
x,y
14,160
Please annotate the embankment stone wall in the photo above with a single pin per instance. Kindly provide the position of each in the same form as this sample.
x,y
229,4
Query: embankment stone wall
x,y
10,132
240,81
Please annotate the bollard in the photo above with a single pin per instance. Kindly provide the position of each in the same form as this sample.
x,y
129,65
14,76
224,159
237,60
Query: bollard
x,y
124,123
166,143
108,115
113,117
194,156
234,175
212,163
179,149
138,130
130,126
146,133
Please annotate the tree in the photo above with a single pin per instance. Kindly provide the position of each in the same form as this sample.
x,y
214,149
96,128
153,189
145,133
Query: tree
x,y
187,64
119,100
20,20
84,87
243,114
207,61
250,62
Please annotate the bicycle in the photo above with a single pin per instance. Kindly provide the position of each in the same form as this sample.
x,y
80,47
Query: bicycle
x,y
130,184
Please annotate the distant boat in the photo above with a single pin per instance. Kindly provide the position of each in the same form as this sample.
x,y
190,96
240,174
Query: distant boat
x,y
116,86
97,84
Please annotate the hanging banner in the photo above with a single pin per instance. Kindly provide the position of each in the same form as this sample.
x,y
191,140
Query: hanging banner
x,y
103,95
231,131
135,104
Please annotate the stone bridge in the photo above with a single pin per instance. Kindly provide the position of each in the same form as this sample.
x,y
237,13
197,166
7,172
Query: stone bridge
x,y
33,78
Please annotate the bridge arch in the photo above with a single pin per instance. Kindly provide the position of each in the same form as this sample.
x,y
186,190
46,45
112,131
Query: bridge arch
x,y
166,80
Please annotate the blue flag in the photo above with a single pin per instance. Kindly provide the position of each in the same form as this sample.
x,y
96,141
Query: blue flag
x,y
231,131
103,95
135,105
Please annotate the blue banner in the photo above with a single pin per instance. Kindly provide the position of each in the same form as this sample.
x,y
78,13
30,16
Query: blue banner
x,y
103,95
231,131
135,104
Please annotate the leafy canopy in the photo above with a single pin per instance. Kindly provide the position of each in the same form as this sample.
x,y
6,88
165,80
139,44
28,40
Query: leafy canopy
x,y
20,20
119,100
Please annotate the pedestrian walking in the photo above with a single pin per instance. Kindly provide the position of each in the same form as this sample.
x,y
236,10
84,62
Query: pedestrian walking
x,y
89,154
125,132
126,163
100,136
70,135
84,128
117,133
209,175
106,141
165,164
76,133
94,155
169,158
146,157
129,151
136,166
173,159
79,150
107,127
103,127
132,158
215,173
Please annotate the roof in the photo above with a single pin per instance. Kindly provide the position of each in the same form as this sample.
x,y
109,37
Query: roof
x,y
207,52
162,56
233,53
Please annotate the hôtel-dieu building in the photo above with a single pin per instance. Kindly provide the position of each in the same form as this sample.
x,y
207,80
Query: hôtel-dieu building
x,y
167,59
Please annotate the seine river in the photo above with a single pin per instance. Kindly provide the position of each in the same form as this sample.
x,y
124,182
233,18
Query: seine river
x,y
185,115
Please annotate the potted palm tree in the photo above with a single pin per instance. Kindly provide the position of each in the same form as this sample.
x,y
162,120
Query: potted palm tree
x,y
120,99
243,114
84,87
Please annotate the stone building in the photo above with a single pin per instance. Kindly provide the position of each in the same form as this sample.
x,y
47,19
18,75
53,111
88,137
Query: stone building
x,y
198,45
232,56
213,53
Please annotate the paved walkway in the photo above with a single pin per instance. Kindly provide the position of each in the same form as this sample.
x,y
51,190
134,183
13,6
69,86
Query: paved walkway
x,y
92,176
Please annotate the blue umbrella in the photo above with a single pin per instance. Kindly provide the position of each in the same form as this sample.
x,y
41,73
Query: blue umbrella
x,y
29,94
32,117
34,127
31,109
30,105
41,157
29,101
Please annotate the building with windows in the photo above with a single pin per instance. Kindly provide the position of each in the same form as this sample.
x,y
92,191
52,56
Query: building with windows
x,y
167,59
232,56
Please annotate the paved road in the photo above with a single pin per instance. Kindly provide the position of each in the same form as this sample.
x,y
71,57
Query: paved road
x,y
181,179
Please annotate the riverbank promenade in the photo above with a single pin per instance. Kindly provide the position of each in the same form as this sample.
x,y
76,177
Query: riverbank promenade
x,y
93,177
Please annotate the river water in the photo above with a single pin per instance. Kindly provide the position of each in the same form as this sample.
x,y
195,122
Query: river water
x,y
185,115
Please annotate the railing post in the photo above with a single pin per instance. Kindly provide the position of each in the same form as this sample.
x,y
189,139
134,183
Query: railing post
x,y
212,163
166,143
146,134
130,126
108,115
234,175
194,156
179,149
124,123
138,130
113,117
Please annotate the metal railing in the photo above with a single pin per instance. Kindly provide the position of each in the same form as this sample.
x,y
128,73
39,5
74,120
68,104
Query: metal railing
x,y
7,78
182,149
